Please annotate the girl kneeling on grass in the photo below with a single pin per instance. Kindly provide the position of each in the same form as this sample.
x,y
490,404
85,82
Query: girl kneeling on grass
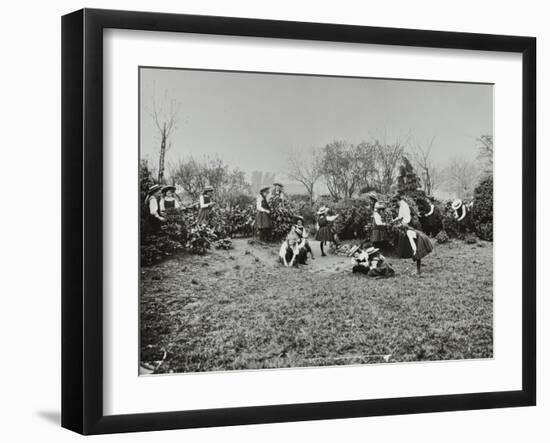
x,y
370,262
291,254
303,236
325,233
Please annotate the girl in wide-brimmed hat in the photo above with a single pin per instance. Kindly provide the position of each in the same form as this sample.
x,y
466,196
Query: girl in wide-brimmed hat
x,y
429,215
462,214
379,234
291,254
300,232
263,217
370,262
168,201
154,216
325,233
206,205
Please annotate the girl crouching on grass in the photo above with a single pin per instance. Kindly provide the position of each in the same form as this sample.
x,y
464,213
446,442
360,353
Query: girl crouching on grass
x,y
370,262
325,232
302,234
291,254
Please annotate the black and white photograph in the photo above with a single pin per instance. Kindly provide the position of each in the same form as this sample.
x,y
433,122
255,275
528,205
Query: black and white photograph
x,y
304,221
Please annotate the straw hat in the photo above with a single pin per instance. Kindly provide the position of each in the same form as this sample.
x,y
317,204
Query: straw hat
x,y
264,189
168,188
322,210
154,189
456,204
208,189
373,195
278,184
298,217
379,205
353,250
372,250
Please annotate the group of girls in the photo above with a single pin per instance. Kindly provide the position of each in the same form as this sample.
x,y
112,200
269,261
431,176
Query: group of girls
x,y
411,243
158,201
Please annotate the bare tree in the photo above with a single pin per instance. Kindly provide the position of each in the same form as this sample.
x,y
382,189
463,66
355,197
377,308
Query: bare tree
x,y
486,153
429,172
461,177
305,168
387,161
165,117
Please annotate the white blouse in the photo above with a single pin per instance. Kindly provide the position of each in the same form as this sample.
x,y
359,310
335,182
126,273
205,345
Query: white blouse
x,y
378,219
404,212
259,206
202,204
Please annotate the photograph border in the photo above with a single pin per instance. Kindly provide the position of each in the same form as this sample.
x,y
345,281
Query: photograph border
x,y
82,220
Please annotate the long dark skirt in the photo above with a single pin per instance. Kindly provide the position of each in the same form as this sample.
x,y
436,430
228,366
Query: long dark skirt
x,y
263,221
324,234
404,249
152,225
205,215
423,245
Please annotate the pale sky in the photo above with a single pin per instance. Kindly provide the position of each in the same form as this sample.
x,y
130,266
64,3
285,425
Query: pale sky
x,y
252,120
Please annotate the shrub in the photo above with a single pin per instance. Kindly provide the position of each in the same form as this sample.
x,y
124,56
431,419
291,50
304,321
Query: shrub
x,y
442,237
282,217
236,220
354,214
224,243
177,233
482,211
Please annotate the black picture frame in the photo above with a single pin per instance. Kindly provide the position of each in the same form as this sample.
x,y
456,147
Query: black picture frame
x,y
82,215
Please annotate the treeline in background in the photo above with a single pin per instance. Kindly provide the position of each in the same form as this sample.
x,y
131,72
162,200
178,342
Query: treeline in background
x,y
337,175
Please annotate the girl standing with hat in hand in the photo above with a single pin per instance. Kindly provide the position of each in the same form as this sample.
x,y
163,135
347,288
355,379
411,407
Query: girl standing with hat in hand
x,y
205,205
263,218
325,233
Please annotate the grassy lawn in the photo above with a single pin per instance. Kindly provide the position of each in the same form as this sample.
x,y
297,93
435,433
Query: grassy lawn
x,y
239,309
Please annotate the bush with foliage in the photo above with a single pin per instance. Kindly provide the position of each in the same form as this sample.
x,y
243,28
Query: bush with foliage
x,y
442,237
224,243
282,217
353,215
482,211
233,221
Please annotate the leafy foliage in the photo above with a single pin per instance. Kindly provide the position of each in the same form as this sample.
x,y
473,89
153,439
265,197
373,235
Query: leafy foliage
x,y
442,237
407,180
282,217
482,211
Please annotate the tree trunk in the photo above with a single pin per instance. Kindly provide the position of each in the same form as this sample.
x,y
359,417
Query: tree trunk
x,y
162,154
